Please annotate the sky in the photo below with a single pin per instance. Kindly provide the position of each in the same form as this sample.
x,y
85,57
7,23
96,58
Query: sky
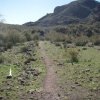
x,y
21,11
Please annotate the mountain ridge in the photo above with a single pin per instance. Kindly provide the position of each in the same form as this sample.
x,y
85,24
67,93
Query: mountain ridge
x,y
74,12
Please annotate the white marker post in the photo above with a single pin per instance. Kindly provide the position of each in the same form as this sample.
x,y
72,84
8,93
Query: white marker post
x,y
10,74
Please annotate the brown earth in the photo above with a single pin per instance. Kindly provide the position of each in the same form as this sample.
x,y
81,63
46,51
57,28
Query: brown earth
x,y
50,85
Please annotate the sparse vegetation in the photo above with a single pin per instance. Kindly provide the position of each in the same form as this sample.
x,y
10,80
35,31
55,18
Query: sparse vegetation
x,y
81,76
25,77
70,48
73,55
1,58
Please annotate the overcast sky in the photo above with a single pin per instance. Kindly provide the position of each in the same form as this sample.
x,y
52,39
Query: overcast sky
x,y
21,11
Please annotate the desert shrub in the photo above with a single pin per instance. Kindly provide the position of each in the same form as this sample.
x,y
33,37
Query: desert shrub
x,y
1,43
84,48
9,45
61,30
68,40
64,44
36,43
24,49
1,37
22,38
81,41
54,36
72,45
57,44
28,36
97,42
73,55
95,39
13,38
1,40
35,36
1,58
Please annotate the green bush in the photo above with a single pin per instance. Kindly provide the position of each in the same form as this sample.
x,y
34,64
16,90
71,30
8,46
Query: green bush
x,y
13,38
1,58
73,55
95,40
36,43
1,40
55,37
35,37
28,36
81,41
57,44
1,43
9,45
24,49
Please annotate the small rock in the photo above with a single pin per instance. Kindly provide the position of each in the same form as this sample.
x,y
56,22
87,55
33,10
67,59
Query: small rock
x,y
1,98
76,83
73,87
58,95
9,77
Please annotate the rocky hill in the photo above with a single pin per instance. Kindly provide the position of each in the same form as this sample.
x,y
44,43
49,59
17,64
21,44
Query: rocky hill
x,y
79,11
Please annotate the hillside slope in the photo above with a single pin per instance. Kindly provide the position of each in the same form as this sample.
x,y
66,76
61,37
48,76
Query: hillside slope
x,y
74,12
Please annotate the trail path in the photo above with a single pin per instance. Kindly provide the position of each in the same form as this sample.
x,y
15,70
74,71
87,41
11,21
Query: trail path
x,y
50,79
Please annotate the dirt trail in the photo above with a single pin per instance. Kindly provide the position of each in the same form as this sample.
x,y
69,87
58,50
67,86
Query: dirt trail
x,y
50,79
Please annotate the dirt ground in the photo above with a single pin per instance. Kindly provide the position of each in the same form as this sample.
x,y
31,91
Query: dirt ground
x,y
52,91
50,86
